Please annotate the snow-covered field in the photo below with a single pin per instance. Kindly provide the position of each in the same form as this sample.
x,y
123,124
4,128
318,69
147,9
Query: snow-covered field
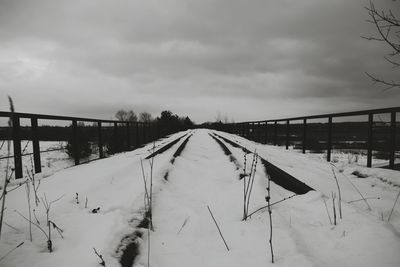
x,y
52,161
53,158
184,232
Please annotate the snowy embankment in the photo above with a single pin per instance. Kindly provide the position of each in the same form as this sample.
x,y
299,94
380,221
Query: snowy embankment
x,y
380,186
184,232
113,184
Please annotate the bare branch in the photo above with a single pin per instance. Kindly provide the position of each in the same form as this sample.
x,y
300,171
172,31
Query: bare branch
x,y
390,84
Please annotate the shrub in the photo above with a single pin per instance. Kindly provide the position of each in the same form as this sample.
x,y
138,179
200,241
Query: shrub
x,y
84,146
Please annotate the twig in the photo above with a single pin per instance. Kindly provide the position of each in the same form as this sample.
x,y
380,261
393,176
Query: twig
x,y
34,215
397,198
361,199
59,230
183,225
102,263
11,251
358,191
334,208
7,179
40,228
16,229
86,203
264,207
244,187
31,176
48,236
148,246
268,199
339,193
151,163
147,198
327,211
252,176
150,201
219,230
28,196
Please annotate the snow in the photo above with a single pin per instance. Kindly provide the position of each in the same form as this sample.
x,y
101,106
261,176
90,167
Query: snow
x,y
184,232
52,161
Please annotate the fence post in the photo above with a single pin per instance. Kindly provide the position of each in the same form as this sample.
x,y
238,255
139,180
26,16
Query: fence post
x,y
137,134
116,145
266,133
287,134
275,132
17,147
128,135
253,131
150,132
392,139
304,135
35,145
144,132
329,144
369,141
75,141
100,137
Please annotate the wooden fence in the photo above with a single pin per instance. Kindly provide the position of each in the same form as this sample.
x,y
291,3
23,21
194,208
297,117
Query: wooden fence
x,y
117,136
372,135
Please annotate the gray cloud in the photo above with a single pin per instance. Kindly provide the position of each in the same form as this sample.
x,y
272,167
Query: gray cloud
x,y
249,59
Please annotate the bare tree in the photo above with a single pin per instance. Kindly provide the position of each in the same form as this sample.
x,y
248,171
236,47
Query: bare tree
x,y
121,115
132,116
388,26
124,115
145,117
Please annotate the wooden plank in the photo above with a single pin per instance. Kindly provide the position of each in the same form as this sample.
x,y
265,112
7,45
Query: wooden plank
x,y
266,133
392,140
115,135
75,144
370,139
17,147
100,140
304,145
329,141
128,136
36,146
287,134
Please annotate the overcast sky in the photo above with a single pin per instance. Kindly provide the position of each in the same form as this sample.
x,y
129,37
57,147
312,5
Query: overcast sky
x,y
249,59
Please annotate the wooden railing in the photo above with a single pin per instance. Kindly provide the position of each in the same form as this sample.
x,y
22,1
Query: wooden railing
x,y
120,135
260,131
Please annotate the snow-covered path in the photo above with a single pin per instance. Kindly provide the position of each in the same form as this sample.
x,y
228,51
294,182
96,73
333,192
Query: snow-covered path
x,y
204,176
185,234
303,236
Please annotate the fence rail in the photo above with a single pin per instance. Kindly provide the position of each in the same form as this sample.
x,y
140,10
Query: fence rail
x,y
119,135
260,131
